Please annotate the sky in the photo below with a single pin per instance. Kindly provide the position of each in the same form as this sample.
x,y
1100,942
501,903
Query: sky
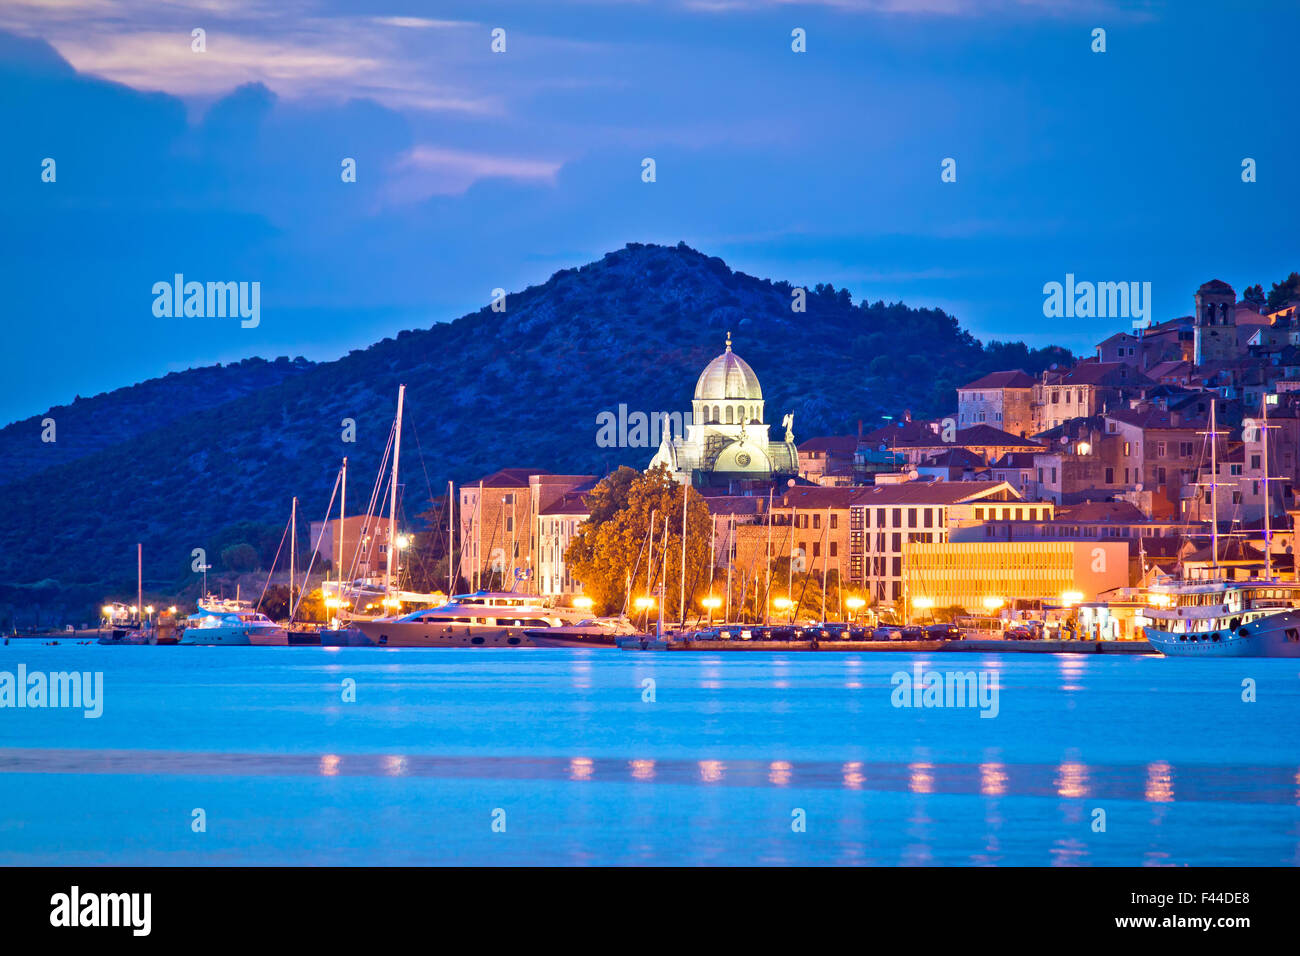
x,y
478,169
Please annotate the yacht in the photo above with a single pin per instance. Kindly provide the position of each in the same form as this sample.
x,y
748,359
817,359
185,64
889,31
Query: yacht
x,y
226,624
1255,618
482,619
1215,617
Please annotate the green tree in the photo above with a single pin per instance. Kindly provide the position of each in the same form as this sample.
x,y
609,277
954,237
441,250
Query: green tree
x,y
610,553
240,558
1283,292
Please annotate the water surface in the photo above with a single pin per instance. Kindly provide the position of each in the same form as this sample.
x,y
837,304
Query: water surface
x,y
528,756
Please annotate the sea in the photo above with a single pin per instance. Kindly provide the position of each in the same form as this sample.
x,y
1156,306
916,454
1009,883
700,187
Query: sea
x,y
541,756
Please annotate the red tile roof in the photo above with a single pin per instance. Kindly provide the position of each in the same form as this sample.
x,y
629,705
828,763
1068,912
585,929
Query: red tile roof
x,y
1014,378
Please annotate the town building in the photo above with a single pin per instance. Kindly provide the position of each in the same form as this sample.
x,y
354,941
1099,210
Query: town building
x,y
727,442
1001,399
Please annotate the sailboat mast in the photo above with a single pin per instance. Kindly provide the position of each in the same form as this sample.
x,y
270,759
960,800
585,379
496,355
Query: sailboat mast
x,y
767,559
826,530
1214,490
139,580
392,492
1268,500
451,541
682,602
731,545
343,506
293,551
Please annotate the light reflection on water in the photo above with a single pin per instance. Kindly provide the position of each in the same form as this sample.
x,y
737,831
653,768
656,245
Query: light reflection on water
x,y
707,773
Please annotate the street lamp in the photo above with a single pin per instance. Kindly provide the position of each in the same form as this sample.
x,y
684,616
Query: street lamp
x,y
784,604
583,602
712,603
922,603
993,602
854,604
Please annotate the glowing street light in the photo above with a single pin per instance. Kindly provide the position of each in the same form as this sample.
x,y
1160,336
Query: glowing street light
x,y
1071,598
403,542
712,603
854,604
993,602
584,602
922,603
644,603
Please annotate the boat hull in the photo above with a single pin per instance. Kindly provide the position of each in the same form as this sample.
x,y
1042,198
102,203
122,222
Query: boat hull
x,y
236,636
1274,636
572,637
437,634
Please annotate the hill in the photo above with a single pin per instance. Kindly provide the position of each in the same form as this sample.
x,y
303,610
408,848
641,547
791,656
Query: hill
x,y
491,389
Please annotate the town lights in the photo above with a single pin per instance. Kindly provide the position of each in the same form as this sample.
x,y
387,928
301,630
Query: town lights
x,y
1084,448
1071,598
644,603
993,602
781,603
333,602
922,603
711,602
403,542
583,602
108,610
392,602
172,609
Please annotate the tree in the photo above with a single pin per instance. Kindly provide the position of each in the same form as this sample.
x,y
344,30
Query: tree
x,y
240,558
1254,294
610,553
1284,292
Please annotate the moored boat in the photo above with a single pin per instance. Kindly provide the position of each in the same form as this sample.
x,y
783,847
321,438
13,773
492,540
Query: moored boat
x,y
482,619
1254,618
238,627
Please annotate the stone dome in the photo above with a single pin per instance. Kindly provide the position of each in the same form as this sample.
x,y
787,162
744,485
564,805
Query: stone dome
x,y
728,378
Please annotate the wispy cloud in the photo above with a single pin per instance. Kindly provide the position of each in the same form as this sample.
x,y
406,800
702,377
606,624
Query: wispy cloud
x,y
425,171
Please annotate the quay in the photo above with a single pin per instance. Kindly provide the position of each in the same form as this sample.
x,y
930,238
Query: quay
x,y
651,643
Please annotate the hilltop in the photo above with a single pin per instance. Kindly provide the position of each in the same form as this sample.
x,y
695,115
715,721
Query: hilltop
x,y
211,457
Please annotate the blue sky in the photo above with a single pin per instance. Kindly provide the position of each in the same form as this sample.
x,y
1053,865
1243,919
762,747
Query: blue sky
x,y
478,170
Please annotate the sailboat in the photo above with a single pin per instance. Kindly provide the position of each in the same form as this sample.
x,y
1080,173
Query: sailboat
x,y
1256,617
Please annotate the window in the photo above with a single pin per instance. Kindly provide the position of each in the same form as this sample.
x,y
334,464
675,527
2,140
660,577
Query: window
x,y
911,517
817,521
835,549
1128,449
929,518
896,518
1110,476
1254,462
835,521
1184,449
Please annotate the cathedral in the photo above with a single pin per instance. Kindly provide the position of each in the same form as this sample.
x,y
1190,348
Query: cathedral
x,y
726,440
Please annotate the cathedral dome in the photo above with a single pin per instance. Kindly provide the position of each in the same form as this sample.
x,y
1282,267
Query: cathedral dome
x,y
728,377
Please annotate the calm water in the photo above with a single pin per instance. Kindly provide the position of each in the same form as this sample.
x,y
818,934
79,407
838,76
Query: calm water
x,y
561,747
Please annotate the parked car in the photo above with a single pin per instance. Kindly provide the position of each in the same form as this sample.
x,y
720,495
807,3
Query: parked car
x,y
1018,634
943,632
913,633
887,632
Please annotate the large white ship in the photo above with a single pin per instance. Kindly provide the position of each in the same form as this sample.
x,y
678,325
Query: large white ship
x,y
1254,618
482,619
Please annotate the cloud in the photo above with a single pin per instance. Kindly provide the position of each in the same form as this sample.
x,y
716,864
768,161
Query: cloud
x,y
425,171
290,47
